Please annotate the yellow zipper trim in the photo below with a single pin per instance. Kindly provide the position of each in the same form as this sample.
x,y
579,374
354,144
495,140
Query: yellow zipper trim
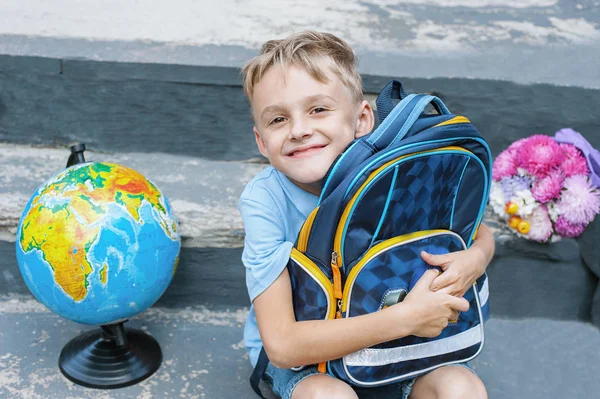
x,y
455,120
319,275
474,236
374,251
305,231
337,244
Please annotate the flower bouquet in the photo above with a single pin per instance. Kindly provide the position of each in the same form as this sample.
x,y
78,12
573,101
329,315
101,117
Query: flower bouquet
x,y
547,187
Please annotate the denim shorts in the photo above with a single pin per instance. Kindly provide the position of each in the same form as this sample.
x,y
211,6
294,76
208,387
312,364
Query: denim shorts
x,y
283,382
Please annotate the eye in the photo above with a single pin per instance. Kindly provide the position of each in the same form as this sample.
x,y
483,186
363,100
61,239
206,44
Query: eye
x,y
318,110
279,119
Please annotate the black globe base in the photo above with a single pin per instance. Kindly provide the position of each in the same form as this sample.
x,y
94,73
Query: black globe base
x,y
111,357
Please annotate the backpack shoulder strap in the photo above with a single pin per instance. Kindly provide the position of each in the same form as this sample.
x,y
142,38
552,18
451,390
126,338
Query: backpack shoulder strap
x,y
353,156
259,372
398,121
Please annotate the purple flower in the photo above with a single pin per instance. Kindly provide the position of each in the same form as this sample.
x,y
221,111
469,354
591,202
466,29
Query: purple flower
x,y
579,202
566,229
514,184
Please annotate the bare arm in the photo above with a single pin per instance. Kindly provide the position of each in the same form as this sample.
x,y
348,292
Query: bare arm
x,y
289,343
484,242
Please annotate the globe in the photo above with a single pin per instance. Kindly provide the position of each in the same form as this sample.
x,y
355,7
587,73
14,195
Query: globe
x,y
97,243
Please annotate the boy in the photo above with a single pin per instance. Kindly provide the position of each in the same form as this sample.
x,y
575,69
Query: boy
x,y
306,99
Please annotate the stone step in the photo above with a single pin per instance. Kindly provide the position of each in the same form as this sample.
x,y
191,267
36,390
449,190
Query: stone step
x,y
527,279
204,193
204,356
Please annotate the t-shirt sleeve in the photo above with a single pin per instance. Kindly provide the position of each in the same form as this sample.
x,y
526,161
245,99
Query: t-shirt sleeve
x,y
266,253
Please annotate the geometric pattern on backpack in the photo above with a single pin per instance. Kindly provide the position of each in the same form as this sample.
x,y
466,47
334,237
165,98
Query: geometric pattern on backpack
x,y
310,300
411,207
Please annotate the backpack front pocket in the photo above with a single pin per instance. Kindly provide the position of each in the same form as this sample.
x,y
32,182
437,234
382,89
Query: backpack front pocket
x,y
387,272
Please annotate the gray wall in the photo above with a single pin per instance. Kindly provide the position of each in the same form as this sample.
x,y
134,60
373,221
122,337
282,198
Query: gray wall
x,y
201,111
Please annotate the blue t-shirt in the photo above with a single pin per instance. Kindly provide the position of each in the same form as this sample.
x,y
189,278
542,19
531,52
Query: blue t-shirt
x,y
273,210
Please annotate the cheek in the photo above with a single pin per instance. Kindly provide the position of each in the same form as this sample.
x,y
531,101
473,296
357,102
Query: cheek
x,y
271,141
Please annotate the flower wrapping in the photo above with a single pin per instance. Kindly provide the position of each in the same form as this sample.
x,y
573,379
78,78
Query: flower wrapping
x,y
547,187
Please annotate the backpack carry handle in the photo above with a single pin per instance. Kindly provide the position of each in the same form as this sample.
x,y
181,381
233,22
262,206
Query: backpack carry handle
x,y
385,100
423,102
393,91
395,126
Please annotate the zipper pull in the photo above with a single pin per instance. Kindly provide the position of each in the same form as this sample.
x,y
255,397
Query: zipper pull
x,y
337,276
338,314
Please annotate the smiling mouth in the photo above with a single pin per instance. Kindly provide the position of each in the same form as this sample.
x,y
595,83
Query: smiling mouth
x,y
305,152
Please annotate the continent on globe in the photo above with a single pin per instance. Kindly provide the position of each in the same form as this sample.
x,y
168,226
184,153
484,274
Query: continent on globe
x,y
98,243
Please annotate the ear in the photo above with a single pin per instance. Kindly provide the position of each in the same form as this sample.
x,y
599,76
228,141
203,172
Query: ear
x,y
365,121
262,147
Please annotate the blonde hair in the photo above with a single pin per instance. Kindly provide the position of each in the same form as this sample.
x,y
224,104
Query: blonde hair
x,y
306,50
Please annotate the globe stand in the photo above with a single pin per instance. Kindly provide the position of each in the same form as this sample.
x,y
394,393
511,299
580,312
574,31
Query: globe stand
x,y
111,357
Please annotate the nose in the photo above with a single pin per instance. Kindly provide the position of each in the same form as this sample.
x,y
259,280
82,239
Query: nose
x,y
300,129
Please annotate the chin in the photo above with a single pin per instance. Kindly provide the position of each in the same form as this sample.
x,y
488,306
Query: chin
x,y
309,183
310,178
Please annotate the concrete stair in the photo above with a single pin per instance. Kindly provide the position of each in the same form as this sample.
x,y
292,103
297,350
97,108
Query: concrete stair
x,y
539,342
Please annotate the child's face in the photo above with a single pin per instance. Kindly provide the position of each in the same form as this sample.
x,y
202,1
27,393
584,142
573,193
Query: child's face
x,y
302,125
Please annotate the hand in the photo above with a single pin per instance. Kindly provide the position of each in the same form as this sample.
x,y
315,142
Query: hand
x,y
427,313
460,270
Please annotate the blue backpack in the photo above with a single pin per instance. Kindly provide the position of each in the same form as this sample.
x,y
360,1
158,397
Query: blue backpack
x,y
418,182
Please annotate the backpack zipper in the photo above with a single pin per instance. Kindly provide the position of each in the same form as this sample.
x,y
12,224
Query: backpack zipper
x,y
337,283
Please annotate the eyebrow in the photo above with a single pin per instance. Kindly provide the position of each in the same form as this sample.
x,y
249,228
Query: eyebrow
x,y
319,97
309,99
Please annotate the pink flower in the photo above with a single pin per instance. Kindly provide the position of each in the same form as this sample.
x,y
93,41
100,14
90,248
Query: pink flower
x,y
505,164
548,188
574,163
566,229
579,202
541,226
518,144
539,155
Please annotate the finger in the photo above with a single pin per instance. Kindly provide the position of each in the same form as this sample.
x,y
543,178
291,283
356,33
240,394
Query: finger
x,y
454,289
426,279
444,323
443,280
453,317
436,260
449,290
459,304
